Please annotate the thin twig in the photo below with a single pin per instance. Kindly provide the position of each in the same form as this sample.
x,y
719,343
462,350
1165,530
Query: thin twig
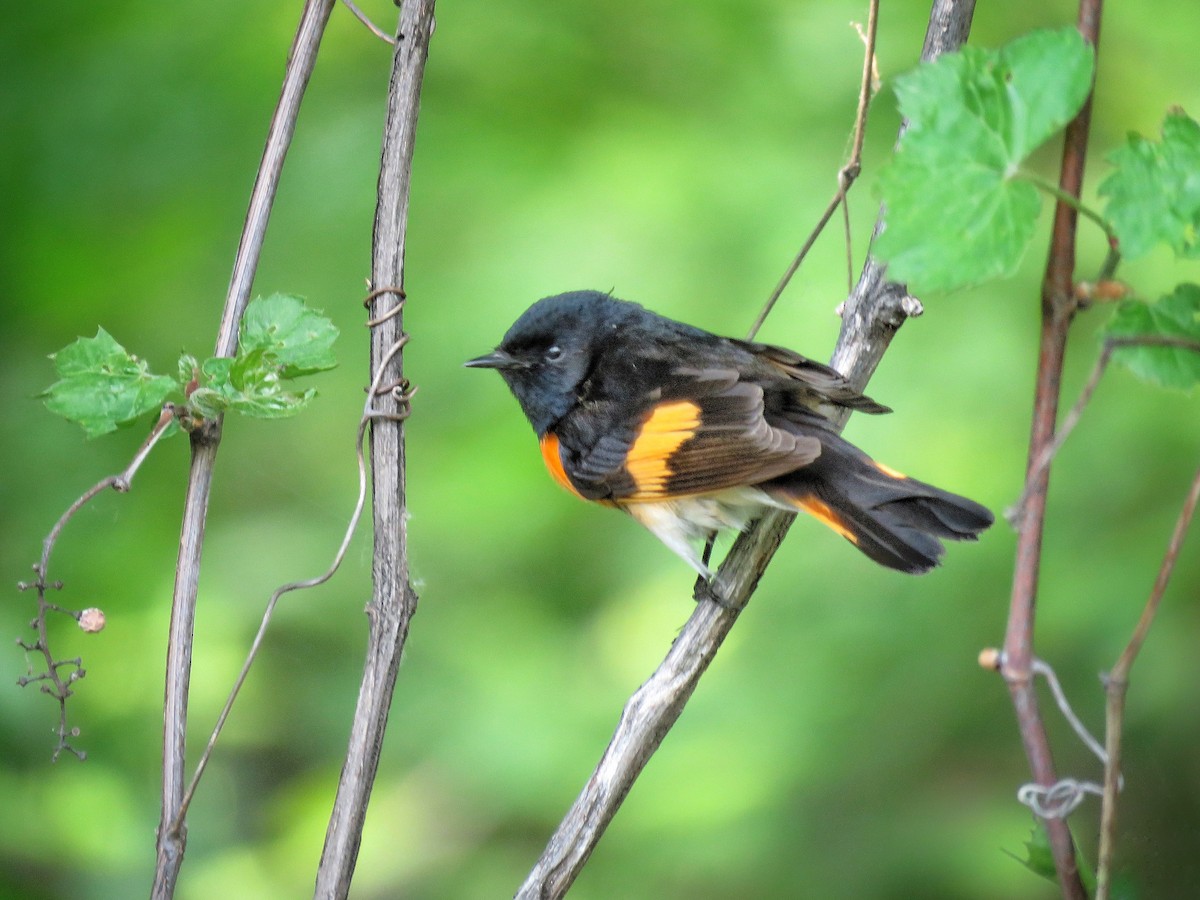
x,y
371,26
1063,797
1015,514
1058,309
1117,685
1041,667
58,688
1074,202
268,612
172,831
121,483
846,175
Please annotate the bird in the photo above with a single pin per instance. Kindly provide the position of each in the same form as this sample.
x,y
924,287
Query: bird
x,y
691,433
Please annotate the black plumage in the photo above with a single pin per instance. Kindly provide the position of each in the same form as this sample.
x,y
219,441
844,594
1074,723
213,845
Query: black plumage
x,y
690,432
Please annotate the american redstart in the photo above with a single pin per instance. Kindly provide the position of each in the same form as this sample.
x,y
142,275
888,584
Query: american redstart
x,y
690,433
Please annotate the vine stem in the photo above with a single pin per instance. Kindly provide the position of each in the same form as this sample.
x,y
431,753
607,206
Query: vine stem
x,y
58,688
1016,512
1070,200
393,600
1058,309
273,601
1116,685
172,829
846,175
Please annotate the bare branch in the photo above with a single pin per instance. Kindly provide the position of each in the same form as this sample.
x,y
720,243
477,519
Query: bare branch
x,y
872,314
1117,684
172,831
394,601
1058,308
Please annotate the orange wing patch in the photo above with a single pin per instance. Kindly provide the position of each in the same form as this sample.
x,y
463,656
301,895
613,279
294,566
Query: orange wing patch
x,y
822,512
648,462
553,459
889,471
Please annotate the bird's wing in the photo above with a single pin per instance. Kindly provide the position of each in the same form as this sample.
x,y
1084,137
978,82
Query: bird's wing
x,y
701,431
822,383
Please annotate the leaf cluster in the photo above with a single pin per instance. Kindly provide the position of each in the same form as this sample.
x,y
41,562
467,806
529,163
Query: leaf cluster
x,y
102,386
962,207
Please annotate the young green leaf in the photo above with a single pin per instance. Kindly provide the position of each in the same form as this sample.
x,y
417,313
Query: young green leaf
x,y
300,339
1177,316
249,385
102,386
1039,859
187,368
213,392
1154,194
958,211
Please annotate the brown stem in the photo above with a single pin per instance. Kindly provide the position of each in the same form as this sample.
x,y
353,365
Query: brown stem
x,y
1117,684
393,600
172,830
1058,309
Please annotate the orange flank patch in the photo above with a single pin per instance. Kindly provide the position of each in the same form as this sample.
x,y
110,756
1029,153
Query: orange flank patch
x,y
822,512
889,471
665,430
553,459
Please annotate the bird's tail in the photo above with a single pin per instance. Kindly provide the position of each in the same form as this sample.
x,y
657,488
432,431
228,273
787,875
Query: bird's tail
x,y
897,521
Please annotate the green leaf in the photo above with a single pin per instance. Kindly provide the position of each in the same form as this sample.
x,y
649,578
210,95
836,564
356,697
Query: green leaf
x,y
958,211
1154,195
102,386
281,339
1039,859
1176,315
249,385
299,338
187,369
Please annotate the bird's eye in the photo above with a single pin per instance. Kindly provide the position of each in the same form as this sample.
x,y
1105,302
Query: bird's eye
x,y
554,354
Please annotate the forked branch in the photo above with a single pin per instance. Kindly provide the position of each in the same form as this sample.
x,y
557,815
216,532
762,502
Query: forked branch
x,y
1059,304
871,316
51,681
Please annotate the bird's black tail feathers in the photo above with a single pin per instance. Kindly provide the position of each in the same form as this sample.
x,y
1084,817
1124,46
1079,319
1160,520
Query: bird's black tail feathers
x,y
897,521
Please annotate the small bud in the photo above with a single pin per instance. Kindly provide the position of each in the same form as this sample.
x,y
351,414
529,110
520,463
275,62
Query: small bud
x,y
989,658
91,620
912,306
1101,291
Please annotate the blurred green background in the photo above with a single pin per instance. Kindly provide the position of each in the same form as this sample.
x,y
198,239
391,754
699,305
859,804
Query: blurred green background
x,y
844,743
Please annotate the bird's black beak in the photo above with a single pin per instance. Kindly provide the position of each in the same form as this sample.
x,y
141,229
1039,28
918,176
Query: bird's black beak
x,y
497,359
